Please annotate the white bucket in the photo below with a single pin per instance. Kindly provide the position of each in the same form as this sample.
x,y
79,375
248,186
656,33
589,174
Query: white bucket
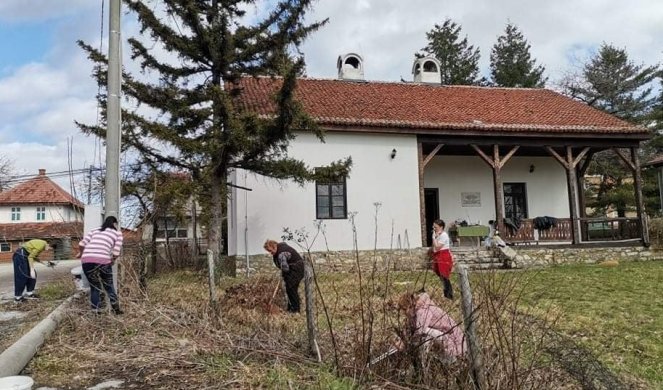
x,y
79,278
16,383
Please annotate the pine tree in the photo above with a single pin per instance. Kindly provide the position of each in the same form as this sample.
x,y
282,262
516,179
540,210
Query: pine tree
x,y
610,82
198,127
459,61
511,64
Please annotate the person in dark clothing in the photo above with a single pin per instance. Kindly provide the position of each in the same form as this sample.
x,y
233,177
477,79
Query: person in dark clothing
x,y
291,264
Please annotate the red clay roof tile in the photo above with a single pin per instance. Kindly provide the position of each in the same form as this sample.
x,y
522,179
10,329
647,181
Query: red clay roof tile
x,y
38,190
422,106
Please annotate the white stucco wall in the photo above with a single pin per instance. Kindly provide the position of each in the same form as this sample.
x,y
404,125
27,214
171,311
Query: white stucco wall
x,y
547,193
375,177
52,214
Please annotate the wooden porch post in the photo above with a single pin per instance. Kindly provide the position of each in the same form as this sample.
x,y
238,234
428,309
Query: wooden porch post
x,y
634,164
573,195
422,206
569,163
639,201
497,163
499,188
582,168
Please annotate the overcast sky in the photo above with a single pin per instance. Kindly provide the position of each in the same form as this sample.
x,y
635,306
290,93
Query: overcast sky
x,y
45,81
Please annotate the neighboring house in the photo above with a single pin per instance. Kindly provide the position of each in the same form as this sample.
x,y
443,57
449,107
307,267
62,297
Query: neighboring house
x,y
39,208
657,162
421,151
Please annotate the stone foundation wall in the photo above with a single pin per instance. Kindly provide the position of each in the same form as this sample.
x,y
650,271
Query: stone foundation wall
x,y
401,260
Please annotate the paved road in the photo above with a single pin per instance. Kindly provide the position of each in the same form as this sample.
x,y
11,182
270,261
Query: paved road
x,y
44,274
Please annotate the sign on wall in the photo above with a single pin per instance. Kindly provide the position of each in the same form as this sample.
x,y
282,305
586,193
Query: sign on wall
x,y
470,199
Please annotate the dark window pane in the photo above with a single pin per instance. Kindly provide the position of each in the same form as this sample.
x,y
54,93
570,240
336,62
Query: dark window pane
x,y
338,212
5,247
323,189
323,212
323,201
161,234
338,201
182,233
337,189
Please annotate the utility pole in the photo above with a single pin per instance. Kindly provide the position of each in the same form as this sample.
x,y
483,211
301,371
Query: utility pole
x,y
113,134
89,185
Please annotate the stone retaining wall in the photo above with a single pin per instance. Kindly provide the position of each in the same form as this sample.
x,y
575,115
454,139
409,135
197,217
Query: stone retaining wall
x,y
346,261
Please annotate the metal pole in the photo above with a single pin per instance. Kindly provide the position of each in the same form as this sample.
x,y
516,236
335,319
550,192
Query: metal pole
x,y
113,135
246,226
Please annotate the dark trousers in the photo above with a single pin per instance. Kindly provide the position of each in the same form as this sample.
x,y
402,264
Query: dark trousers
x,y
100,277
448,290
22,279
292,279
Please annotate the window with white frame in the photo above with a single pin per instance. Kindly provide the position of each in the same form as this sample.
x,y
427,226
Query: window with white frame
x,y
16,213
172,228
41,213
5,247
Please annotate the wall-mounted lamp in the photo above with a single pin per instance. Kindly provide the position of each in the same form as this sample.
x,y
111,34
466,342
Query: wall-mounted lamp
x,y
531,168
393,153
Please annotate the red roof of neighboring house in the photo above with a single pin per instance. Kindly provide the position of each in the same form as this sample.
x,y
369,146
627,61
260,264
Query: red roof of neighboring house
x,y
38,190
418,106
29,231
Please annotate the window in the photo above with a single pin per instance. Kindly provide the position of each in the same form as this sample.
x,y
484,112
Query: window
x,y
16,213
172,228
515,201
41,213
331,200
5,247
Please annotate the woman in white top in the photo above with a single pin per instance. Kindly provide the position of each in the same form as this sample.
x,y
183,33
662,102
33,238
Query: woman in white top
x,y
442,259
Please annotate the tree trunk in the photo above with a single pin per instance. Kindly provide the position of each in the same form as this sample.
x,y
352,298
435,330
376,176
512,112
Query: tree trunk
x,y
194,235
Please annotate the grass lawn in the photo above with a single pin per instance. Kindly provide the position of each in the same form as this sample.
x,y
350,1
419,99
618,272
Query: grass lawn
x,y
169,337
615,312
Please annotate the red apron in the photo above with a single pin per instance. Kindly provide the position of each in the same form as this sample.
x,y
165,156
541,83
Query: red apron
x,y
443,262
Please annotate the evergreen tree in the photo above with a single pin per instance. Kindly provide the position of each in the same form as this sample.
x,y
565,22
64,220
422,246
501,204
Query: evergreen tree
x,y
610,82
198,126
459,61
511,64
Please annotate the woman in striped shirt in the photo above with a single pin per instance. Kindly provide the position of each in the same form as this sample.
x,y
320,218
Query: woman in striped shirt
x,y
98,251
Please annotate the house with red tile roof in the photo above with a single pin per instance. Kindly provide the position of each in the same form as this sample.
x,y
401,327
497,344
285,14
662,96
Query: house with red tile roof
x,y
423,151
39,208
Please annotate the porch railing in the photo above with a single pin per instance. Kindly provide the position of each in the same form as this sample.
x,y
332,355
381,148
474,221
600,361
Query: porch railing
x,y
526,232
609,229
592,229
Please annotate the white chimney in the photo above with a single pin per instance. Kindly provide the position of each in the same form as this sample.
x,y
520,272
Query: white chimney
x,y
350,67
426,70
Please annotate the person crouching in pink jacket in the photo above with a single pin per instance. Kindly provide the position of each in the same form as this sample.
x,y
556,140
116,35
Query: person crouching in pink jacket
x,y
429,324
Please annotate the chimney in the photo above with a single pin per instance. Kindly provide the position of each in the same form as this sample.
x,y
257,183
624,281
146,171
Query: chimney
x,y
42,172
426,70
350,67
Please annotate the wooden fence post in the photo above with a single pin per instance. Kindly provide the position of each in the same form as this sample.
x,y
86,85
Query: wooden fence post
x,y
310,310
470,329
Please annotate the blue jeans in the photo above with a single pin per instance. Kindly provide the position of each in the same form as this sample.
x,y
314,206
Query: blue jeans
x,y
22,279
100,276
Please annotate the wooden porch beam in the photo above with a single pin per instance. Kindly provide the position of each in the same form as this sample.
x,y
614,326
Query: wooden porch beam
x,y
557,157
483,155
432,154
580,156
585,164
508,156
624,158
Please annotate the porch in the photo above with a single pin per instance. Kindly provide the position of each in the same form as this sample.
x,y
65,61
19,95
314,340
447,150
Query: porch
x,y
557,192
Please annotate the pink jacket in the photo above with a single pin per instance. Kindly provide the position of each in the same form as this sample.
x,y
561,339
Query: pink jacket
x,y
435,324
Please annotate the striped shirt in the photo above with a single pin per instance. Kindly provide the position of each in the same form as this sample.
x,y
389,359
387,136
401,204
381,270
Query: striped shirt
x,y
100,247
